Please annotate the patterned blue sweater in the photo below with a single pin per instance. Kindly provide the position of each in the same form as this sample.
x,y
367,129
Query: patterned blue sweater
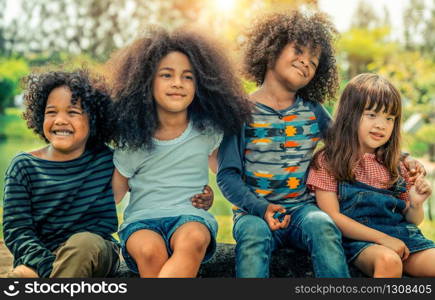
x,y
268,161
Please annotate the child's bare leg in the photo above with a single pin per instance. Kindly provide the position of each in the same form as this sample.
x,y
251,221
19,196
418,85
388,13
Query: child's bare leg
x,y
189,244
421,264
148,249
379,262
22,271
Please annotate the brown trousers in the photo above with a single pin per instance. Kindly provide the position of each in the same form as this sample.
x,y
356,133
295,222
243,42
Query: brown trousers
x,y
83,255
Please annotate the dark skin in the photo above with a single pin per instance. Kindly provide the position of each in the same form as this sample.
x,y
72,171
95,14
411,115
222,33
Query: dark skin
x,y
203,200
294,68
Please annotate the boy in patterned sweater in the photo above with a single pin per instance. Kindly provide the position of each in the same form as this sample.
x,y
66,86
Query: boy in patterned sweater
x,y
263,170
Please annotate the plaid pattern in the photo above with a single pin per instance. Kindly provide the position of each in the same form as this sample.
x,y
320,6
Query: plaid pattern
x,y
368,171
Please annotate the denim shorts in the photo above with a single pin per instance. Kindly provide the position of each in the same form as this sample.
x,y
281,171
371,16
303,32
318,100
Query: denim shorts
x,y
165,227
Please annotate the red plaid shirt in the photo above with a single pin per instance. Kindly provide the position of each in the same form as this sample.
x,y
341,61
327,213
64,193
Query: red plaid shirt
x,y
368,171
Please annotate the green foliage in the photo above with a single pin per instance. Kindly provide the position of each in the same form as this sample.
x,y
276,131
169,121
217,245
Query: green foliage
x,y
11,72
412,73
7,88
249,86
426,133
362,46
12,126
418,148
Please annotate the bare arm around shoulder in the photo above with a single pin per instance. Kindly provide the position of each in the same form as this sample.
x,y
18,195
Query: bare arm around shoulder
x,y
328,202
119,186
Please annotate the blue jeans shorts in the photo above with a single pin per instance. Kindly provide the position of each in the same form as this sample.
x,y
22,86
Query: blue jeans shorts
x,y
165,227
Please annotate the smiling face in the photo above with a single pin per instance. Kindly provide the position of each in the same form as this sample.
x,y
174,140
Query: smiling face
x,y
174,84
66,126
374,130
296,66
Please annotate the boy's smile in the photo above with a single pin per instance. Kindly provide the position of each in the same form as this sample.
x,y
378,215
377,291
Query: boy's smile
x,y
296,65
66,126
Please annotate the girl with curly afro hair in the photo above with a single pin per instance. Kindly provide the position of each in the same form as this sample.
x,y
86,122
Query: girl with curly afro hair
x,y
175,94
263,170
59,211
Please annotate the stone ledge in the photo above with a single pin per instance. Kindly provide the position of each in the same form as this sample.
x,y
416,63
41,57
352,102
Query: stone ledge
x,y
286,263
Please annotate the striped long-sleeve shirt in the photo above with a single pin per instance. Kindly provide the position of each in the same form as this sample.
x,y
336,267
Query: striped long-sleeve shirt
x,y
45,202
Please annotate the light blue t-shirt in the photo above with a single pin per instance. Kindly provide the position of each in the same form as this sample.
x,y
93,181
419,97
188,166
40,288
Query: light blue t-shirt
x,y
162,181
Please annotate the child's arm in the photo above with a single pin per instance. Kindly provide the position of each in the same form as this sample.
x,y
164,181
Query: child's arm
x,y
418,193
20,234
230,178
119,186
212,161
413,166
328,202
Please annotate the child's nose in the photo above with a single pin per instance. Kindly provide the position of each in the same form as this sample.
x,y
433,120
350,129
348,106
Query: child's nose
x,y
60,119
381,124
177,82
304,60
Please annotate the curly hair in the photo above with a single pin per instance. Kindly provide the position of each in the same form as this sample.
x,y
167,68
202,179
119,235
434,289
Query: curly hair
x,y
92,93
219,99
268,36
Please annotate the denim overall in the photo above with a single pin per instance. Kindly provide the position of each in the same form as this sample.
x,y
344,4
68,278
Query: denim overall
x,y
380,209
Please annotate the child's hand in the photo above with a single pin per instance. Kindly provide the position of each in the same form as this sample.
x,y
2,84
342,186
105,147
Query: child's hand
x,y
414,167
396,245
419,192
275,223
204,200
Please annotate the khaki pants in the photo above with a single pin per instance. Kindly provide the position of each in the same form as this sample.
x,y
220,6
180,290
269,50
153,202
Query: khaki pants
x,y
85,255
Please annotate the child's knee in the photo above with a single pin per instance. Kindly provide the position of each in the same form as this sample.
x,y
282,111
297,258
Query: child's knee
x,y
22,271
149,252
196,239
321,224
389,261
252,228
86,244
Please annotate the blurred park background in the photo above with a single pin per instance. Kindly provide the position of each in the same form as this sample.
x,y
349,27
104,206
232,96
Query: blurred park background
x,y
395,38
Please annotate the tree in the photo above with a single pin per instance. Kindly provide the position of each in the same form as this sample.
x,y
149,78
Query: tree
x,y
11,72
365,17
361,46
413,22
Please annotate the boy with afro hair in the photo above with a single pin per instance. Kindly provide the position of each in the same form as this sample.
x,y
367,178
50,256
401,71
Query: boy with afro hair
x,y
263,170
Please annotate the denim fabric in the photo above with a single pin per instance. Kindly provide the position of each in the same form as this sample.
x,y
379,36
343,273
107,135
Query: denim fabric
x,y
310,229
164,227
382,210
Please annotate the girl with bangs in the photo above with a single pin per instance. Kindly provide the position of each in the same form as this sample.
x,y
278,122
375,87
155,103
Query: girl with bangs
x,y
359,179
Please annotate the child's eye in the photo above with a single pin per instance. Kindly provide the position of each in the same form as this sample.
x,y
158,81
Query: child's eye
x,y
75,112
189,77
313,64
390,118
165,75
298,50
50,112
